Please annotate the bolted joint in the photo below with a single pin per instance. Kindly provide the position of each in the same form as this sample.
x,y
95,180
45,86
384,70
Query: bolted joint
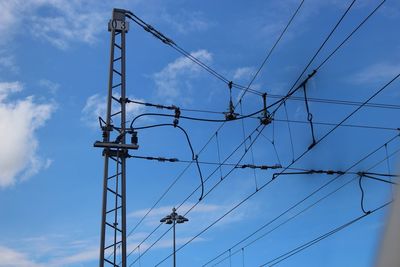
x,y
134,138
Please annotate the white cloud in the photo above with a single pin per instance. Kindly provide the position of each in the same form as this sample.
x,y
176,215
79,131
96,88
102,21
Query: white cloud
x,y
19,120
70,26
185,22
7,61
7,88
85,255
13,258
95,107
49,85
175,78
67,21
244,73
377,73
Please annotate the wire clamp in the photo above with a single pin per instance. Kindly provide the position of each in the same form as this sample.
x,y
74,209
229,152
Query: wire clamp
x,y
177,116
230,115
134,138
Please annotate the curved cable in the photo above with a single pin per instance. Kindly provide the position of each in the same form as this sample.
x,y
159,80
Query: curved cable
x,y
298,158
300,202
362,194
194,156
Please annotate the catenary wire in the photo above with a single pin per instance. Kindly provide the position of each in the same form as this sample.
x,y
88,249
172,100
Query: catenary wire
x,y
287,211
298,158
306,245
227,158
212,173
271,50
248,87
293,89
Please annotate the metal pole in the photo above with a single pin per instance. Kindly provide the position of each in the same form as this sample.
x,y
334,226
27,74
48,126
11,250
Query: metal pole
x,y
113,223
174,244
106,138
123,141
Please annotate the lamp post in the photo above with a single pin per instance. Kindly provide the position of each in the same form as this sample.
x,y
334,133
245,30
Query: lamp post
x,y
173,219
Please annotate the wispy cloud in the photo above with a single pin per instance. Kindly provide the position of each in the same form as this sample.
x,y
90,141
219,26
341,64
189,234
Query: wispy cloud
x,y
377,73
19,120
175,78
62,23
7,62
51,86
186,22
244,73
12,258
95,107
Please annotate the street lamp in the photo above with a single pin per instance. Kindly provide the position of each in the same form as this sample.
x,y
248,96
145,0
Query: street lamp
x,y
173,219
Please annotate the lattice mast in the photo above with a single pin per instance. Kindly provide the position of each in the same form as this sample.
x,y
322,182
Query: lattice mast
x,y
115,150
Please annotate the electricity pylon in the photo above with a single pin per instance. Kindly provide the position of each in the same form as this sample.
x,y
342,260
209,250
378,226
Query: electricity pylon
x,y
115,150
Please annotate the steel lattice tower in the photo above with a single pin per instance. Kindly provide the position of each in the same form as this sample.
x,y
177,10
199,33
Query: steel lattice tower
x,y
115,150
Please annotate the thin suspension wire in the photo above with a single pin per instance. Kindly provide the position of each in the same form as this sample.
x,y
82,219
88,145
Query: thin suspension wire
x,y
226,175
293,89
252,115
290,131
263,126
291,98
168,41
300,202
350,35
342,125
219,155
243,130
194,156
210,138
274,147
388,169
298,158
271,50
306,245
251,148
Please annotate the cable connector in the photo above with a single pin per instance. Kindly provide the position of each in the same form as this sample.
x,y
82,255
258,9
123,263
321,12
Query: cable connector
x,y
177,116
230,115
134,138
267,117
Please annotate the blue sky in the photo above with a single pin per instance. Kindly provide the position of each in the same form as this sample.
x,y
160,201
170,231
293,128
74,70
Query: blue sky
x,y
53,81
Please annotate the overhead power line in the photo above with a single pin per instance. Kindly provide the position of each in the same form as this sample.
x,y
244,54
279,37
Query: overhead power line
x,y
312,242
210,139
270,52
191,194
293,88
290,209
293,98
297,159
210,190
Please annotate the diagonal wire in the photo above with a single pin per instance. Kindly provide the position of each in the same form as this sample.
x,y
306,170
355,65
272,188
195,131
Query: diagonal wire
x,y
304,246
302,201
271,50
297,159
